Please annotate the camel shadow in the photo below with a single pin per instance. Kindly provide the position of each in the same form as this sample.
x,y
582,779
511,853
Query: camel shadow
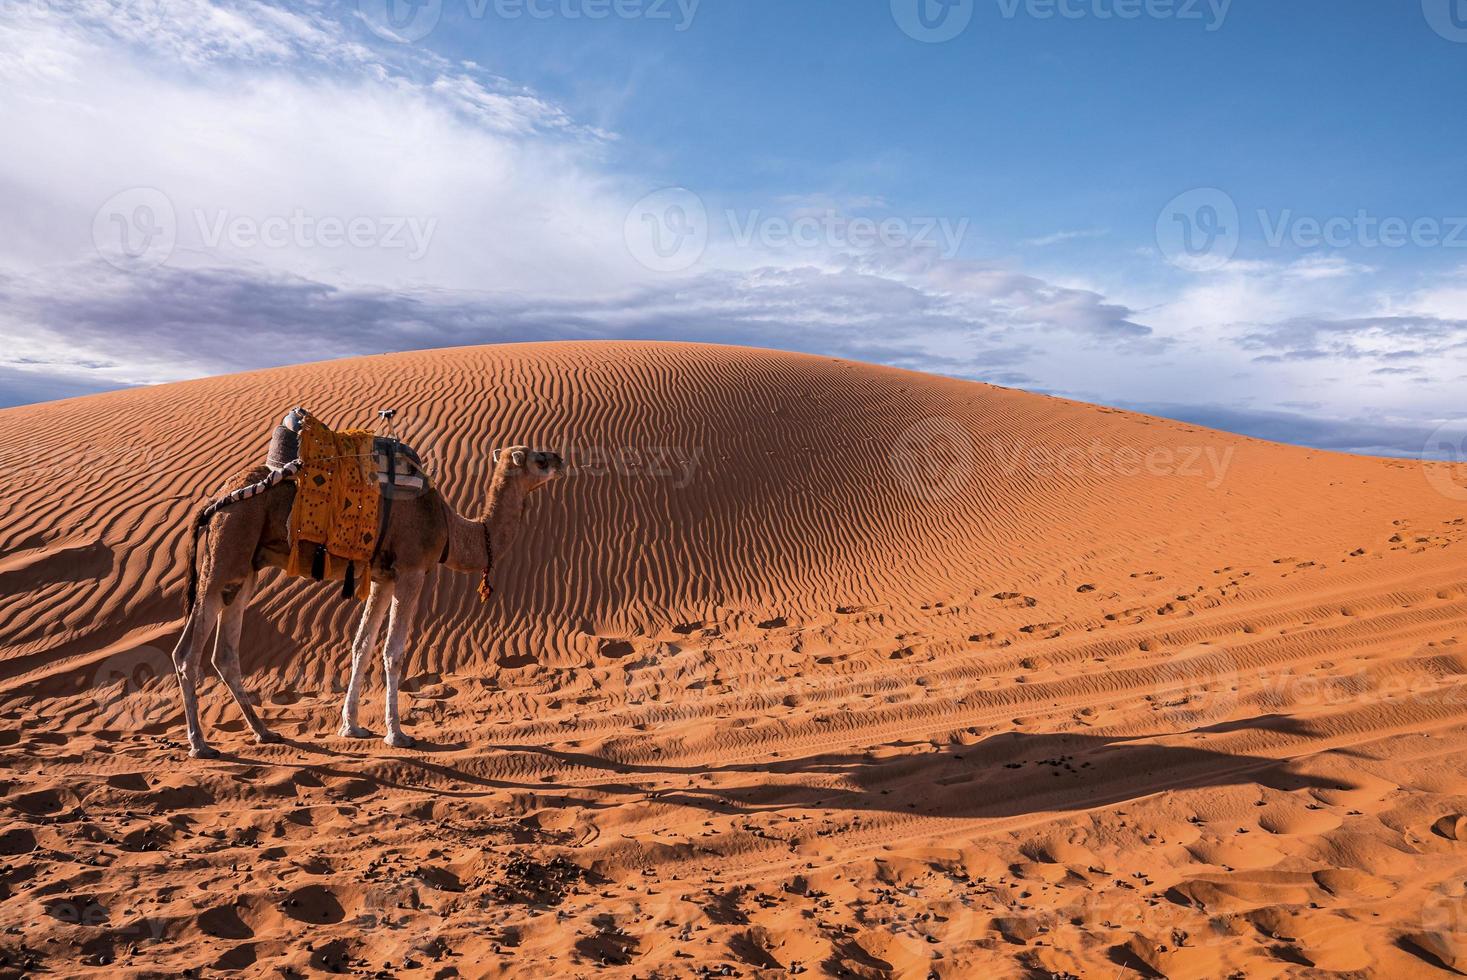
x,y
1010,774
1007,775
323,760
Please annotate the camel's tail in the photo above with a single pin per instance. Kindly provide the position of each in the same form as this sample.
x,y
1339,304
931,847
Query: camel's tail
x,y
201,523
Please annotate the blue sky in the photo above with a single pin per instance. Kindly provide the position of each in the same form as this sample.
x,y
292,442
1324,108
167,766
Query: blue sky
x,y
1240,213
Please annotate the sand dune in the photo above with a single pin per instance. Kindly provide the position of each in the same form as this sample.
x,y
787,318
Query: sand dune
x,y
809,667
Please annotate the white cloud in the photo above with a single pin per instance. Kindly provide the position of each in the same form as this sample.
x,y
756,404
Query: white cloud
x,y
253,113
1061,237
1446,299
509,180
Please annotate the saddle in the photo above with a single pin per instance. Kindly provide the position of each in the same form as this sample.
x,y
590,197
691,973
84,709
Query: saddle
x,y
345,484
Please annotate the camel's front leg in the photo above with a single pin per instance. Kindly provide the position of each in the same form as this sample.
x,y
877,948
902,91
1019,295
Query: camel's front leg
x,y
404,600
362,650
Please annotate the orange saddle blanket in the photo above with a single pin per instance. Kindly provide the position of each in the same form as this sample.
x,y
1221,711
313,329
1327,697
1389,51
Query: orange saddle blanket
x,y
334,522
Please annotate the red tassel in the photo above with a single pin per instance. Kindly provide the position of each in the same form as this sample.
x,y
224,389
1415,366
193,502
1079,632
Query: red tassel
x,y
485,589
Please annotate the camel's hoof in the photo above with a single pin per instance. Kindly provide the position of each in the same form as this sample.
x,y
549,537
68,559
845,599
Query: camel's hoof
x,y
267,738
399,741
353,731
203,752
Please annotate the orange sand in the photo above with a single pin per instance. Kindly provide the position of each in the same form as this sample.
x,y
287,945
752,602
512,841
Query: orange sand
x,y
809,667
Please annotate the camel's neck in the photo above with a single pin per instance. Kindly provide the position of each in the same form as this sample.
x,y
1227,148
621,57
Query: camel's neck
x,y
503,509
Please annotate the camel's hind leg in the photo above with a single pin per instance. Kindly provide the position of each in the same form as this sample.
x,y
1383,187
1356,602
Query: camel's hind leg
x,y
404,601
362,650
226,658
187,656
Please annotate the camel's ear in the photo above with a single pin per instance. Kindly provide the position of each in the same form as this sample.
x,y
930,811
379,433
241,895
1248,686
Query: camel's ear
x,y
518,457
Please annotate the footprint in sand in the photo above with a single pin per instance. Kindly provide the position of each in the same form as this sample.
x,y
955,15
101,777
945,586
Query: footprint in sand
x,y
1453,826
314,904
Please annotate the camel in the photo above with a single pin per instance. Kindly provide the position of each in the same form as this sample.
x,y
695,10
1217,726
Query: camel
x,y
242,539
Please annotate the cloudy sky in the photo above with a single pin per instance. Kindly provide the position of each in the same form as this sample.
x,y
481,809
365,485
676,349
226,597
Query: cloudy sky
x,y
1250,215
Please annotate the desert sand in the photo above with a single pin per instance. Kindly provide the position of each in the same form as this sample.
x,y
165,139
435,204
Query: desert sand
x,y
809,667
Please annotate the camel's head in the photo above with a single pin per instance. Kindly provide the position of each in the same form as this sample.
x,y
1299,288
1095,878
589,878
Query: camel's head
x,y
533,467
